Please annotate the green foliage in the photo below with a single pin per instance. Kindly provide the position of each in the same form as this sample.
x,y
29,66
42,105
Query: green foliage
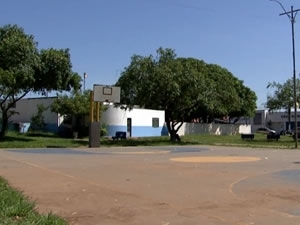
x,y
185,88
56,71
38,119
16,209
103,130
283,95
76,104
76,107
24,69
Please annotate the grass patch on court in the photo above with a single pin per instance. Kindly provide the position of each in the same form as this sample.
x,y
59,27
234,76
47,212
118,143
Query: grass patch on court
x,y
48,140
17,210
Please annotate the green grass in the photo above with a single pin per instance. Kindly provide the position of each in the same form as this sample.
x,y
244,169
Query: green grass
x,y
17,210
260,140
39,140
48,140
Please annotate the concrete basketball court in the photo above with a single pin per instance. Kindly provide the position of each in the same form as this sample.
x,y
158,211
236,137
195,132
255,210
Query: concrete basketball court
x,y
184,185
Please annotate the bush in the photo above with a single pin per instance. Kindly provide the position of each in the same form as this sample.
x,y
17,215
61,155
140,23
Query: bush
x,y
103,130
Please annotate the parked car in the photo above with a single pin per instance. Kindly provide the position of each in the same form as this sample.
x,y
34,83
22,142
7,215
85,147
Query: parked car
x,y
265,130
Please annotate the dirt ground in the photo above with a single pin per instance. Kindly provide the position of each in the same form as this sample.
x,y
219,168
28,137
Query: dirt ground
x,y
160,185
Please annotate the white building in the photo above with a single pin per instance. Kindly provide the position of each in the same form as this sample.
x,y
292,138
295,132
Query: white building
x,y
136,122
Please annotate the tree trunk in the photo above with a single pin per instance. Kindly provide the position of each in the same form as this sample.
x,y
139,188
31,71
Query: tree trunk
x,y
171,128
4,123
289,119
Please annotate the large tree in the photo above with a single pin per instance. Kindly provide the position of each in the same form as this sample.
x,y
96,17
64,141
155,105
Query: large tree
x,y
76,107
226,96
282,97
184,88
24,68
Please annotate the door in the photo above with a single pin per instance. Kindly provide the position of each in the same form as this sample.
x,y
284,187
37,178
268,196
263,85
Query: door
x,y
129,127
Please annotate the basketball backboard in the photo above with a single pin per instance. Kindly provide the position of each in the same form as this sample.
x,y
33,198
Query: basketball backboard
x,y
105,93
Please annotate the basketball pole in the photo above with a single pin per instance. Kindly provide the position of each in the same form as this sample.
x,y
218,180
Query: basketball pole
x,y
97,111
91,106
99,95
94,128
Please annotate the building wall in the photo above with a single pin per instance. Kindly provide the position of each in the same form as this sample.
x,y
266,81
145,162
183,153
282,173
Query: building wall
x,y
115,119
275,120
27,107
213,128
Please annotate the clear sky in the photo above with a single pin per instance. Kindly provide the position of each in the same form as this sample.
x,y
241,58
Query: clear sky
x,y
248,37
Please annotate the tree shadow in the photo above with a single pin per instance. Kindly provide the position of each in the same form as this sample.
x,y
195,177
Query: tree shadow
x,y
41,134
145,142
14,139
81,142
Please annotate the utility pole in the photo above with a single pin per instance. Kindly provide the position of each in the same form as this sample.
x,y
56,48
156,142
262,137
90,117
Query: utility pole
x,y
292,17
84,77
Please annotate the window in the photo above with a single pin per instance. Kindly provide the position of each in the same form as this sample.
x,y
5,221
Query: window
x,y
155,122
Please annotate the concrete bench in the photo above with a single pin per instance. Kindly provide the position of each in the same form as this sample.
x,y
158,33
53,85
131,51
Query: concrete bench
x,y
272,136
247,136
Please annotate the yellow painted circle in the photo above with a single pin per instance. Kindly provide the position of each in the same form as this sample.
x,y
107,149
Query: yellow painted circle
x,y
215,159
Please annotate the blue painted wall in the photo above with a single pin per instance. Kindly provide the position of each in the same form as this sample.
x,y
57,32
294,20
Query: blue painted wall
x,y
51,127
137,131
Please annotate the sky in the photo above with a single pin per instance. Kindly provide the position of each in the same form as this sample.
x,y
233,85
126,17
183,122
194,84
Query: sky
x,y
247,37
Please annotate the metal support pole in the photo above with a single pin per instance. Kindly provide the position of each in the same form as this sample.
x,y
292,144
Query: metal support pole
x,y
94,129
292,17
97,111
84,77
294,77
91,106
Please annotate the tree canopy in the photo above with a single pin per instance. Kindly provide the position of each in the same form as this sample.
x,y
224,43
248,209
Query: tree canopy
x,y
77,104
282,97
76,107
24,68
185,88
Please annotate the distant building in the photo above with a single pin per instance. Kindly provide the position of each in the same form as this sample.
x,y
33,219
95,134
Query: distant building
x,y
28,107
276,120
139,122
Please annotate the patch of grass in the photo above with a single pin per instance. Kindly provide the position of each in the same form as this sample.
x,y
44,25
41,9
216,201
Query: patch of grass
x,y
48,140
41,140
17,210
260,140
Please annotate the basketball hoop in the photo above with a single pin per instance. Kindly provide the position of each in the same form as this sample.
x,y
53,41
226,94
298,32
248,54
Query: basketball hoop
x,y
105,93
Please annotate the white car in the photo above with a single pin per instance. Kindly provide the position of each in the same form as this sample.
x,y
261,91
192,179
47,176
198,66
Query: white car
x,y
265,130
